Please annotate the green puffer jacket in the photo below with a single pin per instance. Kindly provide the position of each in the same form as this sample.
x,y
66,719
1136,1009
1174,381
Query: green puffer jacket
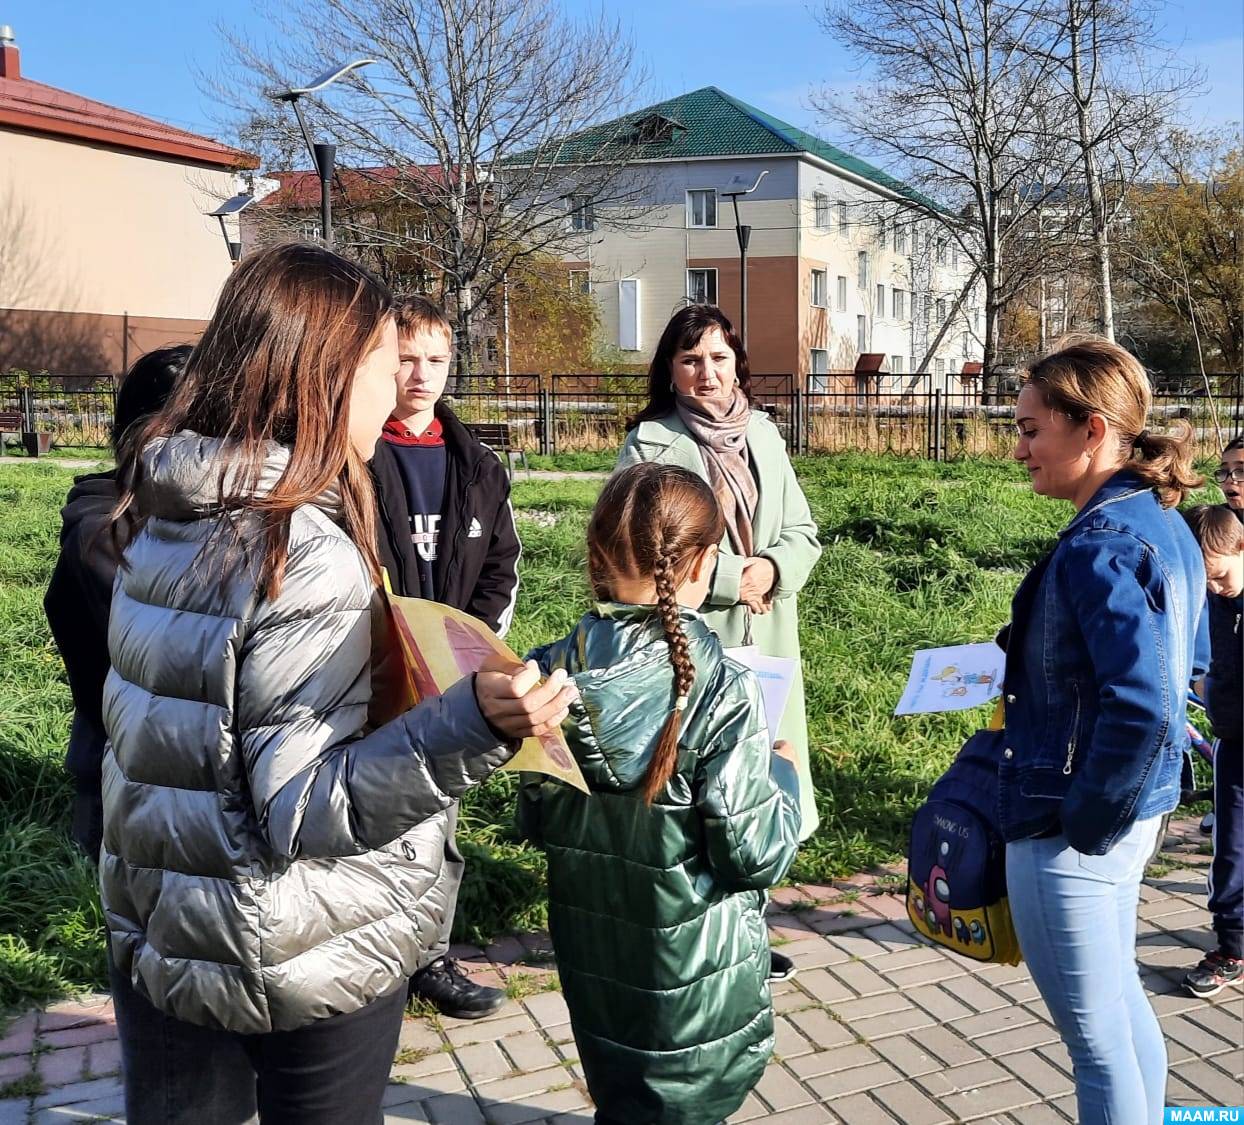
x,y
657,913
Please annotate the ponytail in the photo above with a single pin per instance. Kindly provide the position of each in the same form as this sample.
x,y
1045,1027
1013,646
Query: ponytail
x,y
665,757
1164,462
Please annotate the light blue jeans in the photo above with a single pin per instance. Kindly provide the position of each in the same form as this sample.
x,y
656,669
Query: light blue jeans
x,y
1075,916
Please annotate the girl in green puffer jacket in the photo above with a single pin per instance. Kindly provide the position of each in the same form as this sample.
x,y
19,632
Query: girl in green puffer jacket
x,y
656,880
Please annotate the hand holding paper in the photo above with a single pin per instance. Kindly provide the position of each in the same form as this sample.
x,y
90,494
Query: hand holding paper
x,y
518,705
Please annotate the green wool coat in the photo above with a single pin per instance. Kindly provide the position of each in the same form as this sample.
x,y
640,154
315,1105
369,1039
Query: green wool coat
x,y
783,532
657,912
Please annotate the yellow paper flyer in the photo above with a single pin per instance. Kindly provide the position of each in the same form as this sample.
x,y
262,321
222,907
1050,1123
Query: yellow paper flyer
x,y
441,644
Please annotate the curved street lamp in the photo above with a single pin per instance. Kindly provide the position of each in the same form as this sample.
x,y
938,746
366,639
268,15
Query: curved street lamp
x,y
323,156
743,233
232,206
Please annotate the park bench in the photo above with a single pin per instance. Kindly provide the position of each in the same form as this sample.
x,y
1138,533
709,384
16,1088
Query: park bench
x,y
500,439
10,426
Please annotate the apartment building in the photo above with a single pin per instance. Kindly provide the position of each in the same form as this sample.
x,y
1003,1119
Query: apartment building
x,y
844,261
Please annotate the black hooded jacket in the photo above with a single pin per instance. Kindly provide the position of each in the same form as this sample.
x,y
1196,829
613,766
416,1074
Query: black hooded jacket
x,y
476,565
77,604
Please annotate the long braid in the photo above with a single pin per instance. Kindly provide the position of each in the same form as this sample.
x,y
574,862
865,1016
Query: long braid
x,y
653,521
665,758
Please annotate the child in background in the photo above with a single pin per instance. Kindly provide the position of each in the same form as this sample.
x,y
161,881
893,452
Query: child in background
x,y
654,879
1230,476
1221,536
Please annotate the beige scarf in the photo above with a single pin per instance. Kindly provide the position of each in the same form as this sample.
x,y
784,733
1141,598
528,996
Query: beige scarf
x,y
719,426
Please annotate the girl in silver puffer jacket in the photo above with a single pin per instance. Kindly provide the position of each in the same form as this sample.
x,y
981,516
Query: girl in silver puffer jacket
x,y
273,828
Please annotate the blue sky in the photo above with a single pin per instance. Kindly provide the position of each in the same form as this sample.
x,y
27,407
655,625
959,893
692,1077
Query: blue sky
x,y
142,54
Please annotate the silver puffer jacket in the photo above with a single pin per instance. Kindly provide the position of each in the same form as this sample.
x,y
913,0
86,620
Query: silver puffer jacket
x,y
271,855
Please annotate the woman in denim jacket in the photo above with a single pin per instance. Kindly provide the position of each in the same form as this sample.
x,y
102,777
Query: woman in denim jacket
x,y
1106,633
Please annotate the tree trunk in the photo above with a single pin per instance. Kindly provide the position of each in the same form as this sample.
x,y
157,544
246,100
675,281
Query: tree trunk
x,y
1097,205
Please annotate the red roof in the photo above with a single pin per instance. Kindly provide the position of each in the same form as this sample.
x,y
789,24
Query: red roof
x,y
301,189
32,107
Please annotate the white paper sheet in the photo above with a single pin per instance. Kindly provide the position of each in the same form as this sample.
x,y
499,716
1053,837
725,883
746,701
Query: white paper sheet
x,y
954,678
776,675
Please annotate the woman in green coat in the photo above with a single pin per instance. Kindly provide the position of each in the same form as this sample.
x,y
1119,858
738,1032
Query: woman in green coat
x,y
699,416
656,879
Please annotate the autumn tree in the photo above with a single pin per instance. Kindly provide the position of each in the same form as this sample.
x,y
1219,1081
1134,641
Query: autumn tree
x,y
1184,250
959,105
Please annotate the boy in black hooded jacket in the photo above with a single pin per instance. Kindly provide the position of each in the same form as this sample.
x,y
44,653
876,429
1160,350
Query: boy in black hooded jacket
x,y
446,533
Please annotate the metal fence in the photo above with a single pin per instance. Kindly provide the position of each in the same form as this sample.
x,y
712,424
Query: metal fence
x,y
75,410
908,415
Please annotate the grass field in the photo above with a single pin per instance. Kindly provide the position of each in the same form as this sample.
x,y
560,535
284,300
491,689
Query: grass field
x,y
916,554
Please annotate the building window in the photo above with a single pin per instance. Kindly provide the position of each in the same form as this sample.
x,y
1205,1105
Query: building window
x,y
582,212
900,238
967,344
896,364
844,224
954,255
861,333
898,303
820,289
939,368
820,207
879,308
492,351
702,207
820,361
702,287
941,310
976,319
882,233
580,281
941,251
628,315
861,269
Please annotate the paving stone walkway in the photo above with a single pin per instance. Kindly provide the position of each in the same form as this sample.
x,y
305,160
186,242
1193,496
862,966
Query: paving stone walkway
x,y
877,1027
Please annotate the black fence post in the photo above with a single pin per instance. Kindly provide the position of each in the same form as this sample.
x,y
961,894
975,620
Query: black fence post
x,y
550,414
26,400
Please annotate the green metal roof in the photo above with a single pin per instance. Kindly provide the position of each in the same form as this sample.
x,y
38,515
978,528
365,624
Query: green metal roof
x,y
709,122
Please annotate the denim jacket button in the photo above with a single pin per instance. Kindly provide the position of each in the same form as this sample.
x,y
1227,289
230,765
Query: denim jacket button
x,y
1010,699
1008,753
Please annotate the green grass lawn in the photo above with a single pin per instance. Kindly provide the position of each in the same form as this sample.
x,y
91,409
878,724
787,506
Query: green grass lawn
x,y
916,554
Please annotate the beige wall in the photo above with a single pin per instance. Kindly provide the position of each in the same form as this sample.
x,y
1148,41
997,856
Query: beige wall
x,y
659,248
90,230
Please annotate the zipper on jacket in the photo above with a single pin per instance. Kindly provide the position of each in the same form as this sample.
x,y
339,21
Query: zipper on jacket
x,y
463,525
1075,730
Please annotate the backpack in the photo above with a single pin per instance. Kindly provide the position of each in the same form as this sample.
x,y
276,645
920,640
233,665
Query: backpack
x,y
956,864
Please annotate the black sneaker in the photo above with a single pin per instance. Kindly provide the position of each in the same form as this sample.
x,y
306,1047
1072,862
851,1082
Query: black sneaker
x,y
1213,974
443,985
780,966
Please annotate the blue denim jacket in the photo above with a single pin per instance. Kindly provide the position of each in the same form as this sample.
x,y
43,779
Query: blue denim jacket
x,y
1106,633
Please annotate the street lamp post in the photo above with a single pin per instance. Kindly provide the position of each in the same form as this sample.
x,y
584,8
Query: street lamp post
x,y
324,156
232,206
744,234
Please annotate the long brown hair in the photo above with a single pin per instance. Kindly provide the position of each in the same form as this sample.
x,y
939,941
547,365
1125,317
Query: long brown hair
x,y
685,329
276,363
650,522
1088,374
